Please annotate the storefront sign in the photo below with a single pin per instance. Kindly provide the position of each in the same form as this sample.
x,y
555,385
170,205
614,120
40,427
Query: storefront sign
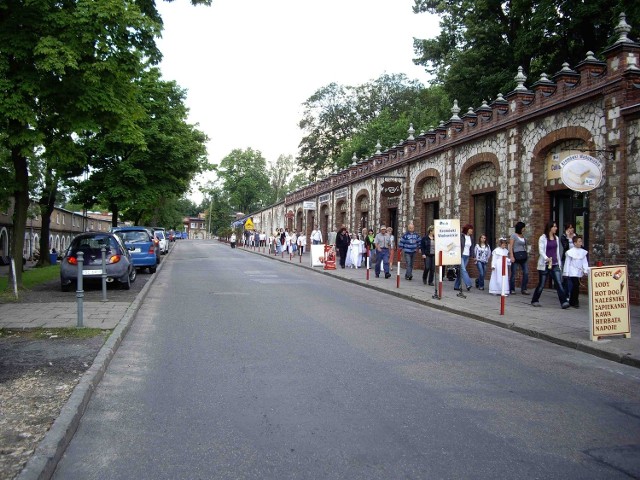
x,y
342,193
391,189
308,205
324,198
609,302
581,172
554,170
447,236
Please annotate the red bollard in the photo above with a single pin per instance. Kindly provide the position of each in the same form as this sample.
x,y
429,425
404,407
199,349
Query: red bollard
x,y
367,266
398,275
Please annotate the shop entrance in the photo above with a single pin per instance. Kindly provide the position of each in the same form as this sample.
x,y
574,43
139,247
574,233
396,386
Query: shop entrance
x,y
393,222
430,213
484,217
572,207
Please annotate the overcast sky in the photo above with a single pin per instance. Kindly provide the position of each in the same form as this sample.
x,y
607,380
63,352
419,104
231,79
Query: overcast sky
x,y
248,65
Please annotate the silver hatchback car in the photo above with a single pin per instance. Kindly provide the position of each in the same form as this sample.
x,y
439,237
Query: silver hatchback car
x,y
117,260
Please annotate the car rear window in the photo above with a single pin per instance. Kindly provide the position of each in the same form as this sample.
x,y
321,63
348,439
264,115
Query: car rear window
x,y
134,236
93,246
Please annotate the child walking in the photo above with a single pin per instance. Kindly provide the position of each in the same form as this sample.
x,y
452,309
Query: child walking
x,y
497,279
483,252
575,266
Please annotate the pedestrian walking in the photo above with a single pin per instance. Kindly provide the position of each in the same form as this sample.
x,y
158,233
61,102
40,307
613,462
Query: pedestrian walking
x,y
498,282
409,244
482,252
550,264
428,249
343,240
575,267
519,259
466,247
383,243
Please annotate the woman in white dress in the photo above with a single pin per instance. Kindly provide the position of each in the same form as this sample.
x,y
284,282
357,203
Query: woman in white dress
x,y
497,279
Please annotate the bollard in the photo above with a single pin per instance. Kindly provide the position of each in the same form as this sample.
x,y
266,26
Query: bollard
x,y
80,291
367,257
103,251
398,275
438,287
504,277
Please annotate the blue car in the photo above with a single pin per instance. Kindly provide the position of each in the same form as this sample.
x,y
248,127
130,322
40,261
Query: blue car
x,y
141,246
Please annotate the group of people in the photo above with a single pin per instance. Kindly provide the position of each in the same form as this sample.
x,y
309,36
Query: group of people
x,y
561,258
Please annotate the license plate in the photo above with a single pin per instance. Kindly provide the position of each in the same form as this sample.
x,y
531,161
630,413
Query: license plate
x,y
137,250
92,272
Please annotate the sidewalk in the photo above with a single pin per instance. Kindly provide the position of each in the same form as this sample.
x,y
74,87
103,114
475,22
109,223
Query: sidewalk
x,y
569,328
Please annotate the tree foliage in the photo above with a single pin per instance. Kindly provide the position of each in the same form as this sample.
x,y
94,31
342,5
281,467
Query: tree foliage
x,y
481,44
137,175
340,121
244,180
284,178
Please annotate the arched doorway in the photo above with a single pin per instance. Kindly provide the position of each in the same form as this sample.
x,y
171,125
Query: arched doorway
x,y
483,181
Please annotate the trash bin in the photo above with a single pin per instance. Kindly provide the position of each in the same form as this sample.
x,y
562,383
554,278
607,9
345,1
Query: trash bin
x,y
53,258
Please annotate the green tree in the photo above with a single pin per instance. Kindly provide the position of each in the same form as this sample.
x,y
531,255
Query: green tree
x,y
135,176
481,44
284,177
340,121
245,181
68,64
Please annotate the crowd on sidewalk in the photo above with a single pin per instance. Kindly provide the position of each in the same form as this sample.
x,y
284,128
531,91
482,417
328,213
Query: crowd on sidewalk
x,y
560,258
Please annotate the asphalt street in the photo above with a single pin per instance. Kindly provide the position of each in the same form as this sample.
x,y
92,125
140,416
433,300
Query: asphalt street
x,y
237,366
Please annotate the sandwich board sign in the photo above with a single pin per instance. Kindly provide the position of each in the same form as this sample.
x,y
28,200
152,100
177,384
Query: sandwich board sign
x,y
609,302
447,237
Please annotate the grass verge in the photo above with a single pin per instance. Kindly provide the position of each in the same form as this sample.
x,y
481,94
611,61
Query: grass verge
x,y
33,277
38,333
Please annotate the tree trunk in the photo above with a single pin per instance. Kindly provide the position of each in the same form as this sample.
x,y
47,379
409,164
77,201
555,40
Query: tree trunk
x,y
21,196
114,214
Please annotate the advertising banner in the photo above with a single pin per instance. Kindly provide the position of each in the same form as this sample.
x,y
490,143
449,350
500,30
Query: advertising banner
x,y
447,235
609,302
329,257
317,255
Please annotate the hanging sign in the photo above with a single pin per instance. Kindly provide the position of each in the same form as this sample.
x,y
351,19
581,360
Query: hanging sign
x,y
309,205
609,302
582,173
391,189
248,225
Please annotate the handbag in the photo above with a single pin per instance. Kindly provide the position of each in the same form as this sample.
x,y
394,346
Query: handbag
x,y
521,257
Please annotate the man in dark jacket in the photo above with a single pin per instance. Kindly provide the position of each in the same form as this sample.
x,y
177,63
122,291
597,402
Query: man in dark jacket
x,y
342,244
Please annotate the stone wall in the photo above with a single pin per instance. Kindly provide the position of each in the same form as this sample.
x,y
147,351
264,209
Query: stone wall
x,y
507,149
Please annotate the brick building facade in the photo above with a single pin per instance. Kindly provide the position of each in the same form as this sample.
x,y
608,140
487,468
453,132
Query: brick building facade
x,y
498,164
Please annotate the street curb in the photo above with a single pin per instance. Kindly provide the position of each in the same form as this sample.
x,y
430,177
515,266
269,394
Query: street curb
x,y
44,461
584,347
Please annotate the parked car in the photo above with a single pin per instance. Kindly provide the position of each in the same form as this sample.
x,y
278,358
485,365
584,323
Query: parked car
x,y
156,240
118,263
142,248
164,242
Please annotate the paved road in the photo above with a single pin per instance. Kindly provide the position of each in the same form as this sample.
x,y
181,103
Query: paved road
x,y
240,367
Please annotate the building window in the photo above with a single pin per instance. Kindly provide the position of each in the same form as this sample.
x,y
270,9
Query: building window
x,y
58,218
63,218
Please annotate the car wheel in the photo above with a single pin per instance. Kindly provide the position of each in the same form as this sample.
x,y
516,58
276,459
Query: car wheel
x,y
152,269
133,275
126,285
65,287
